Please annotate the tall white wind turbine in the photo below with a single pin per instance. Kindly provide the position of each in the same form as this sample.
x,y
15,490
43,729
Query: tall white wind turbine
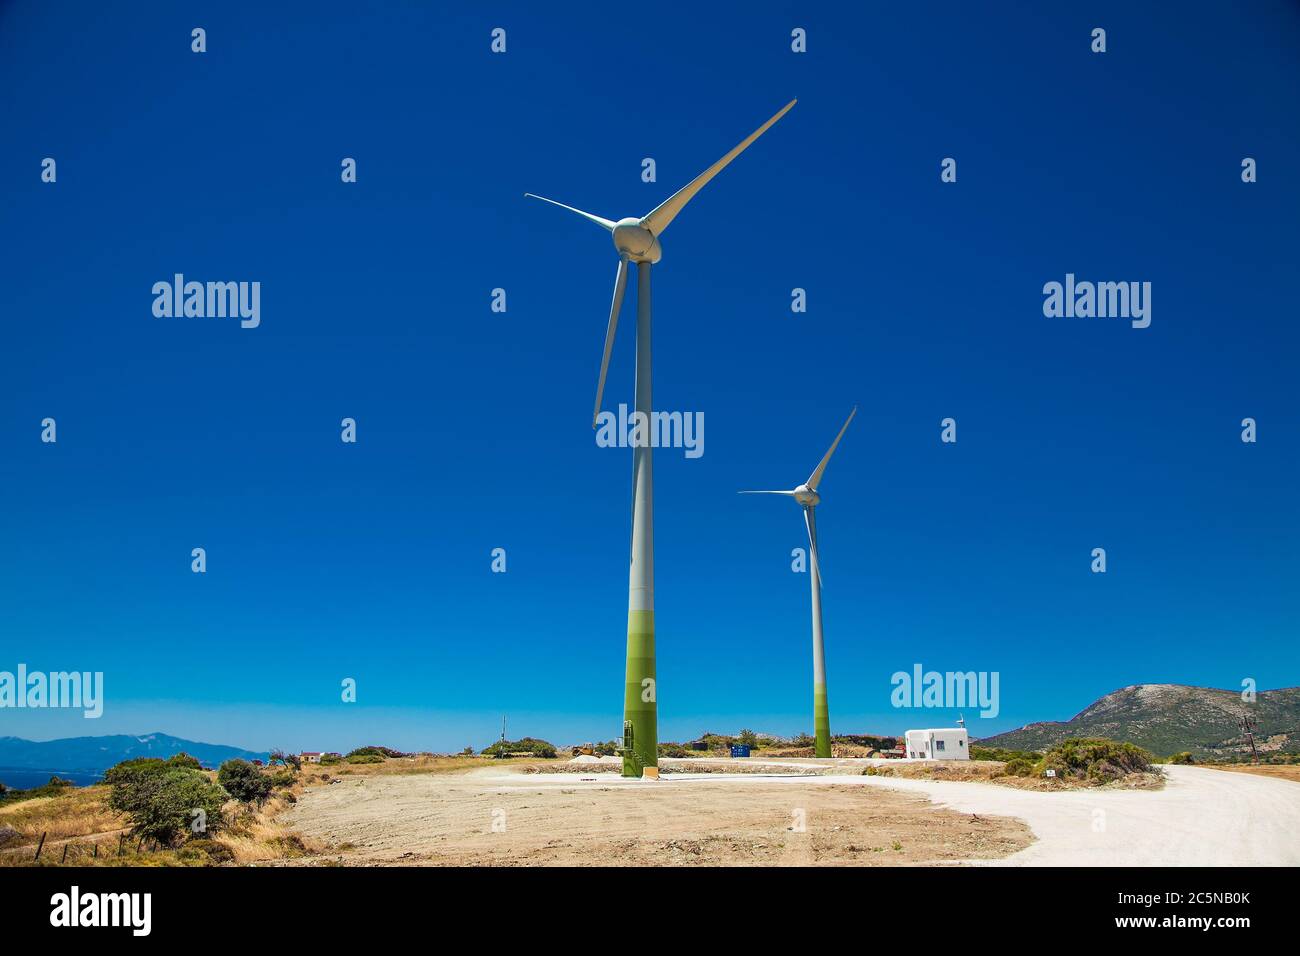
x,y
637,240
808,496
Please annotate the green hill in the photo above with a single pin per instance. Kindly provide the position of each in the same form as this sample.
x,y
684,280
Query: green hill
x,y
1169,718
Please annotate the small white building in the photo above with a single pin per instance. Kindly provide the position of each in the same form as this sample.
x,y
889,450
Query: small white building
x,y
945,743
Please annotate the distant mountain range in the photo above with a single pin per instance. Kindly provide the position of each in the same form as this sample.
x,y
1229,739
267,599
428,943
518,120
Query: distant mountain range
x,y
97,754
1169,718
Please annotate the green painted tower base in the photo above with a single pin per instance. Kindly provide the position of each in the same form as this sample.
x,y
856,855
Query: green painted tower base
x,y
821,722
639,707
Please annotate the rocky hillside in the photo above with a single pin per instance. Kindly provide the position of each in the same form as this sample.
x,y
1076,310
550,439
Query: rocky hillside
x,y
1169,718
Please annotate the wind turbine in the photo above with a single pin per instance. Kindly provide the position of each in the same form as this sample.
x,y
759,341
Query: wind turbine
x,y
808,496
637,240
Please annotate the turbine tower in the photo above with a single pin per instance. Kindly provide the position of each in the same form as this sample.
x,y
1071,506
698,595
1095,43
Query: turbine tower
x,y
807,496
637,240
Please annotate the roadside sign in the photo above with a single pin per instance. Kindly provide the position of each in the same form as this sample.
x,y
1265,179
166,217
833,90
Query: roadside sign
x,y
740,750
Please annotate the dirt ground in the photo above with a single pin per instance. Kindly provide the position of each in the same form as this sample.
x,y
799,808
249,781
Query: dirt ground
x,y
1278,771
503,817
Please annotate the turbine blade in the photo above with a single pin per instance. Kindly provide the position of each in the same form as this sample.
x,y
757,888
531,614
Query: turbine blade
x,y
620,284
657,220
609,226
815,478
811,521
765,493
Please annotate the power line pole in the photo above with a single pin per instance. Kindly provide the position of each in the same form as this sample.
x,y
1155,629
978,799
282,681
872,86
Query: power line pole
x,y
1248,727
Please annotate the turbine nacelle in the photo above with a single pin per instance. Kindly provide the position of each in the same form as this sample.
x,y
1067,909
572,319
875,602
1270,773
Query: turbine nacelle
x,y
635,241
806,496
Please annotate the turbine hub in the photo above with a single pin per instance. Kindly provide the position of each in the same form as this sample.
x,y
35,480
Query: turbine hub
x,y
807,496
635,241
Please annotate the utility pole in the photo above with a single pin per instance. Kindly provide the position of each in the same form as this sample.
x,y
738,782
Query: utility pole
x,y
1248,727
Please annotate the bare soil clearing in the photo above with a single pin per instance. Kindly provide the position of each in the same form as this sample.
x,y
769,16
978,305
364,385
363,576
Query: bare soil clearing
x,y
588,818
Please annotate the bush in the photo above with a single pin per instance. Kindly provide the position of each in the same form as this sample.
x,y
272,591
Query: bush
x,y
289,760
998,753
162,799
210,851
1096,760
380,752
183,759
528,745
283,778
328,760
1182,758
244,782
1019,767
364,758
673,750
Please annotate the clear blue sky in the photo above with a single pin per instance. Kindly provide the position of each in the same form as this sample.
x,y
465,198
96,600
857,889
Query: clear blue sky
x,y
371,560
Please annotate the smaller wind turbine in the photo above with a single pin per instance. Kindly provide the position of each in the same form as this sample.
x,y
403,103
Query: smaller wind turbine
x,y
807,496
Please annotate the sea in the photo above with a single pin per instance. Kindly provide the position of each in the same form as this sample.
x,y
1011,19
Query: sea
x,y
26,778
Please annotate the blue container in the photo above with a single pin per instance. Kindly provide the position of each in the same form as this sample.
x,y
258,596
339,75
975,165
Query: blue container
x,y
740,750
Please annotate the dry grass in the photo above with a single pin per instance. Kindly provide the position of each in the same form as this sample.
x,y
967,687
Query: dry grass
x,y
80,818
1277,771
253,835
992,771
78,812
423,763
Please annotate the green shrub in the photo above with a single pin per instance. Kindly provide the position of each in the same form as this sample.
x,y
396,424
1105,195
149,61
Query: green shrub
x,y
1019,767
364,758
244,782
163,800
283,778
998,753
528,745
1182,758
329,760
673,750
183,759
208,851
1096,760
377,752
289,760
